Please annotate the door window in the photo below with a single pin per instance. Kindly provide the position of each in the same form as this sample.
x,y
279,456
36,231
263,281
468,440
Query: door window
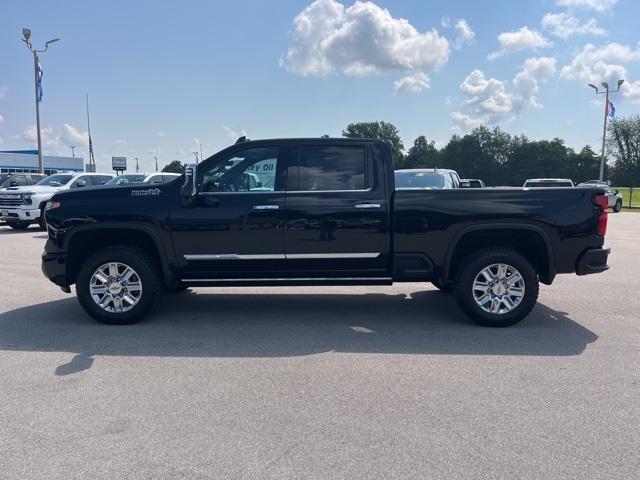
x,y
18,181
251,170
330,168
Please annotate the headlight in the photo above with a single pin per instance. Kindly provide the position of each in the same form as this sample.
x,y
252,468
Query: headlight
x,y
51,205
26,198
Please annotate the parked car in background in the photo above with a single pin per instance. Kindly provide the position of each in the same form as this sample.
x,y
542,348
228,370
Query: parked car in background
x,y
614,197
133,178
548,182
22,206
472,183
19,179
427,178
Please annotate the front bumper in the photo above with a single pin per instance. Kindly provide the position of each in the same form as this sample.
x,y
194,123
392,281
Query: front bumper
x,y
8,214
54,267
593,260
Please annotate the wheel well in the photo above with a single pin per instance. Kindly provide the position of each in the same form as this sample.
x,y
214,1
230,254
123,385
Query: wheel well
x,y
528,243
86,243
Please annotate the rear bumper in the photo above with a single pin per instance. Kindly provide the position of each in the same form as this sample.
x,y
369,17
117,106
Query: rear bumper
x,y
593,260
54,267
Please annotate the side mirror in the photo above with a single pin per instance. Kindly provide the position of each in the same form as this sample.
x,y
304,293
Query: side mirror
x,y
188,191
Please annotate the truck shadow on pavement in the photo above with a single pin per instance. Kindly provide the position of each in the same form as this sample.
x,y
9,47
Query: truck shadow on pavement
x,y
206,324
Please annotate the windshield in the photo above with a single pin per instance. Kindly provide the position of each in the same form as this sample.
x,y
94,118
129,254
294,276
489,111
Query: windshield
x,y
3,177
545,184
125,179
55,180
419,179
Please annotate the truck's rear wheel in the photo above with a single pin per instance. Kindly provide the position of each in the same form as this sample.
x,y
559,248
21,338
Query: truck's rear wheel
x,y
18,224
118,285
497,287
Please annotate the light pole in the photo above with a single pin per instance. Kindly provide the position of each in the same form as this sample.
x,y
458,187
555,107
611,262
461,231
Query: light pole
x,y
606,92
26,32
73,151
196,154
156,159
137,166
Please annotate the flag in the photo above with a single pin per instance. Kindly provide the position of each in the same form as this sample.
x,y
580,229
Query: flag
x,y
39,83
611,110
92,160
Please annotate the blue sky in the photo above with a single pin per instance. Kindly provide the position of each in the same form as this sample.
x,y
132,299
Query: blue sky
x,y
165,76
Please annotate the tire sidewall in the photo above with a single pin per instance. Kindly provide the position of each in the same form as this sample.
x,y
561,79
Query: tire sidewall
x,y
464,288
618,206
144,267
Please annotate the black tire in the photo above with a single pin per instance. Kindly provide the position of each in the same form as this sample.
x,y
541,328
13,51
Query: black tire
x,y
145,267
618,206
41,221
474,264
18,224
446,288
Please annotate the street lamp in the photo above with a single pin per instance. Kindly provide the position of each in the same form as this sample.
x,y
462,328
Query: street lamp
x,y
26,33
137,166
606,92
73,151
196,154
156,159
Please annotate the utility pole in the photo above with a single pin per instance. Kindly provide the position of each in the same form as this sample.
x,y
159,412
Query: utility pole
x,y
196,154
73,151
606,92
26,33
156,159
137,166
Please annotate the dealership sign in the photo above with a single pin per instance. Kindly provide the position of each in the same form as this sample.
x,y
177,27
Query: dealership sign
x,y
119,164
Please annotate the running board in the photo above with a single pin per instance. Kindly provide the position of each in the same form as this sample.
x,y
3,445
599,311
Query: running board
x,y
256,282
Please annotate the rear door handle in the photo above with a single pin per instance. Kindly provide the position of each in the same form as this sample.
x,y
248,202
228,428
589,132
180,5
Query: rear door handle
x,y
368,205
266,207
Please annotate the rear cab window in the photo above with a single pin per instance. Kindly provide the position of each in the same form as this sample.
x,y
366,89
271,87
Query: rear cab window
x,y
328,168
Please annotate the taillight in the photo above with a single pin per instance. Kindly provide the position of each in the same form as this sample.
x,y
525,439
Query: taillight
x,y
601,202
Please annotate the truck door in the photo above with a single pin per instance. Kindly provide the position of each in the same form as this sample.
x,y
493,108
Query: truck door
x,y
336,212
235,228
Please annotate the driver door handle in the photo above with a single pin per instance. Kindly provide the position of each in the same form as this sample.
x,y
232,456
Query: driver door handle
x,y
266,207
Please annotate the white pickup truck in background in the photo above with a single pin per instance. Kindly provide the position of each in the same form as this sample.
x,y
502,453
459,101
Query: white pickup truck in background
x,y
22,206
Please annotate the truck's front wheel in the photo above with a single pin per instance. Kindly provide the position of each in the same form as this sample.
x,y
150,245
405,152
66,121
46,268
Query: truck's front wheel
x,y
497,287
118,285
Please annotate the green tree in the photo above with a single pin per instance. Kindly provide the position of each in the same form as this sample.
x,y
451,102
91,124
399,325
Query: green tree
x,y
624,147
422,154
174,167
381,130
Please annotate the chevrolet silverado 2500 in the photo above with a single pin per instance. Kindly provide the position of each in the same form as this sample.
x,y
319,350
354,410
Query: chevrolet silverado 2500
x,y
317,212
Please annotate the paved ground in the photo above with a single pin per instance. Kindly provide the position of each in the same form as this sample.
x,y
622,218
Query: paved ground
x,y
322,382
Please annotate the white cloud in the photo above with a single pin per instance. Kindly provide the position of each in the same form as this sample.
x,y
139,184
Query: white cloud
x,y
359,40
491,101
563,25
1,119
120,142
232,134
30,135
413,83
465,34
3,92
523,39
604,64
72,137
597,5
160,134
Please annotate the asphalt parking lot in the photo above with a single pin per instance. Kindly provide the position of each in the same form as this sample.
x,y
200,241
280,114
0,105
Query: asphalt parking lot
x,y
370,382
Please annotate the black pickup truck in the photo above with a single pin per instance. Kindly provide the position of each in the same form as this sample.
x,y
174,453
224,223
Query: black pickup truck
x,y
317,212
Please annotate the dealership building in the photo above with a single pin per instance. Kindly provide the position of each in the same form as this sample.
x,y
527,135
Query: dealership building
x,y
27,161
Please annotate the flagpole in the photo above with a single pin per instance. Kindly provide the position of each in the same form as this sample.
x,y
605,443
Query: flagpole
x,y
90,156
36,61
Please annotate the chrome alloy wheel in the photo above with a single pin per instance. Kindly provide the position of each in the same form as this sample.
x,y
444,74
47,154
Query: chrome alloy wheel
x,y
498,288
115,287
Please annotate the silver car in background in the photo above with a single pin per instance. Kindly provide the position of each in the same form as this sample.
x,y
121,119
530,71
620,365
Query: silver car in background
x,y
614,197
